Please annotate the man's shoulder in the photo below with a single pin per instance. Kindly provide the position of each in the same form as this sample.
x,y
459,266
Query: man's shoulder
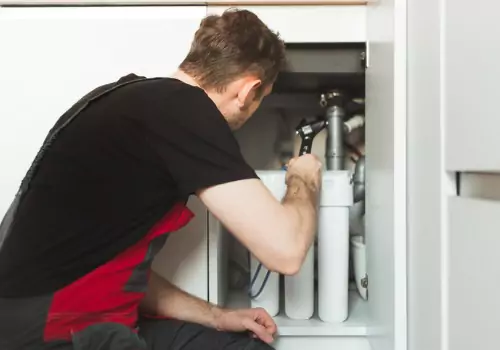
x,y
167,92
162,85
167,105
179,100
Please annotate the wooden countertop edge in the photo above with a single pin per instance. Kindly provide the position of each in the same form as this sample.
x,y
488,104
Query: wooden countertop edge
x,y
288,3
187,2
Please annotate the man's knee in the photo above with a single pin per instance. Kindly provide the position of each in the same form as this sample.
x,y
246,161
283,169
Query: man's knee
x,y
174,334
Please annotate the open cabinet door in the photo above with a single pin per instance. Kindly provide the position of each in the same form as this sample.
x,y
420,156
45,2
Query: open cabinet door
x,y
386,173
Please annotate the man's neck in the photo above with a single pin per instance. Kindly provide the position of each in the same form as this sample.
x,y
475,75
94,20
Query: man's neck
x,y
217,98
185,78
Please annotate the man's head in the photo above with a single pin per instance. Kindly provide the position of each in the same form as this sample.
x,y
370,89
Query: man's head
x,y
235,58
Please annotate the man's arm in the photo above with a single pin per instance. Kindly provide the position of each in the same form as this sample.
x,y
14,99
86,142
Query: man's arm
x,y
165,299
278,234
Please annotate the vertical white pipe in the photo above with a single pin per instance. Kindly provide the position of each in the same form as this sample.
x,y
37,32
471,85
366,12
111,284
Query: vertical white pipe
x,y
333,246
333,264
299,290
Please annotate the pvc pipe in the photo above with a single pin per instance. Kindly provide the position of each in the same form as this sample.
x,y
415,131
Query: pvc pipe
x,y
355,122
299,290
333,246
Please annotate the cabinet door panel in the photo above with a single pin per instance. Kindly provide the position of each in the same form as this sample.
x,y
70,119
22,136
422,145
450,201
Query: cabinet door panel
x,y
386,192
471,85
184,258
311,24
473,308
50,57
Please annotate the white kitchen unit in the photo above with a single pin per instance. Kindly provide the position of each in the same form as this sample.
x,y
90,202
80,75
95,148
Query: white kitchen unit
x,y
380,322
311,24
424,223
472,160
53,55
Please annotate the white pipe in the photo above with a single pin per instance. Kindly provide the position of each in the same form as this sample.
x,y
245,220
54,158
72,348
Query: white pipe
x,y
355,122
333,246
299,290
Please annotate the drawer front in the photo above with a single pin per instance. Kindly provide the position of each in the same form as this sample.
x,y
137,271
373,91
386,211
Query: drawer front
x,y
471,85
473,273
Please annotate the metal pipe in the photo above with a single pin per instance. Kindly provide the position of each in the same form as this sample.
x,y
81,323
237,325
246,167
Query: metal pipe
x,y
335,152
359,180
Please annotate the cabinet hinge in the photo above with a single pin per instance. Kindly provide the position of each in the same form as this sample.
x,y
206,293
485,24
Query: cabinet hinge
x,y
364,282
363,60
366,53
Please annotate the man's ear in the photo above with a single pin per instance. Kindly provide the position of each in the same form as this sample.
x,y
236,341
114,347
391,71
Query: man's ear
x,y
247,93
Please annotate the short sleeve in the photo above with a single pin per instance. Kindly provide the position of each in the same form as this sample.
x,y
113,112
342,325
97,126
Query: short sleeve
x,y
195,142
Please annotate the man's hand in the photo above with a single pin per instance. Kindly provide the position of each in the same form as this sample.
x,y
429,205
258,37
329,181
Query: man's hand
x,y
307,168
165,299
257,321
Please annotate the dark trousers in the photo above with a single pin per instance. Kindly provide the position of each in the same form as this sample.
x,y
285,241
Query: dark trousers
x,y
159,334
22,324
177,335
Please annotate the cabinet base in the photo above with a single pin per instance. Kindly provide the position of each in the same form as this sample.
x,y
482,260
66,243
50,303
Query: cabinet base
x,y
321,343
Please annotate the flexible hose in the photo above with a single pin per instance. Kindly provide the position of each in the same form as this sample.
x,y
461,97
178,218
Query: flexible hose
x,y
254,279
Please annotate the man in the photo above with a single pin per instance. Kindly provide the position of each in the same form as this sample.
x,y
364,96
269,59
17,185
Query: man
x,y
111,183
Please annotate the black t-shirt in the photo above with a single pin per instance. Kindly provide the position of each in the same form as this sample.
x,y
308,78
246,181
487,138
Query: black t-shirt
x,y
110,175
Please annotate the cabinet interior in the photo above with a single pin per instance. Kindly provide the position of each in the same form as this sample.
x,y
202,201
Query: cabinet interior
x,y
267,141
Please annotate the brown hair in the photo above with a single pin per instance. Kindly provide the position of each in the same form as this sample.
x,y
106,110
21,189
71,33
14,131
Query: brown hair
x,y
232,45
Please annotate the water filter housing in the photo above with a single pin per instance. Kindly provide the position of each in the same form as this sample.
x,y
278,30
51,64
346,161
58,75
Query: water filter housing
x,y
299,289
333,255
269,298
333,246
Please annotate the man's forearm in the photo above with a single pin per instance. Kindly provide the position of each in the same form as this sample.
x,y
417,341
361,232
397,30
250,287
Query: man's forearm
x,y
165,299
303,202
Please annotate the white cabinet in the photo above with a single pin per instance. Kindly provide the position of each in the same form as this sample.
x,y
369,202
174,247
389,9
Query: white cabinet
x,y
50,57
471,140
311,24
453,198
184,258
386,142
471,78
379,323
473,254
